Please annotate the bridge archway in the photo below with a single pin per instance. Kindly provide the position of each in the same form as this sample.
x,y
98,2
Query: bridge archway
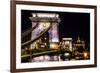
x,y
45,21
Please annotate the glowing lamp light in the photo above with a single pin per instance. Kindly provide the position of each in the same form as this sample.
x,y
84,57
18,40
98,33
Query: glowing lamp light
x,y
54,45
44,25
34,15
85,54
45,38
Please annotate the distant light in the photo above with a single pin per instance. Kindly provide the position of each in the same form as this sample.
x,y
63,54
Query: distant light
x,y
67,42
66,38
66,54
54,45
34,15
85,54
45,43
44,25
45,38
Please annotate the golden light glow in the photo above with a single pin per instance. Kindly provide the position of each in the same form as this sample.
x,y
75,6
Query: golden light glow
x,y
54,46
78,40
85,54
44,25
34,15
45,38
45,43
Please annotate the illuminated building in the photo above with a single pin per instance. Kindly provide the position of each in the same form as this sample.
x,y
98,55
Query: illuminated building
x,y
67,43
79,44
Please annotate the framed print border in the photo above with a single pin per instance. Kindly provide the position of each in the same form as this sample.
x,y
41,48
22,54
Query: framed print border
x,y
13,35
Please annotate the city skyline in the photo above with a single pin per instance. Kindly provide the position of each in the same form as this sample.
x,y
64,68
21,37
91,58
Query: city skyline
x,y
69,26
54,36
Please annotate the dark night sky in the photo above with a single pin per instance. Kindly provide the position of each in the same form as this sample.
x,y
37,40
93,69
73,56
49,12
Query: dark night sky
x,y
71,25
